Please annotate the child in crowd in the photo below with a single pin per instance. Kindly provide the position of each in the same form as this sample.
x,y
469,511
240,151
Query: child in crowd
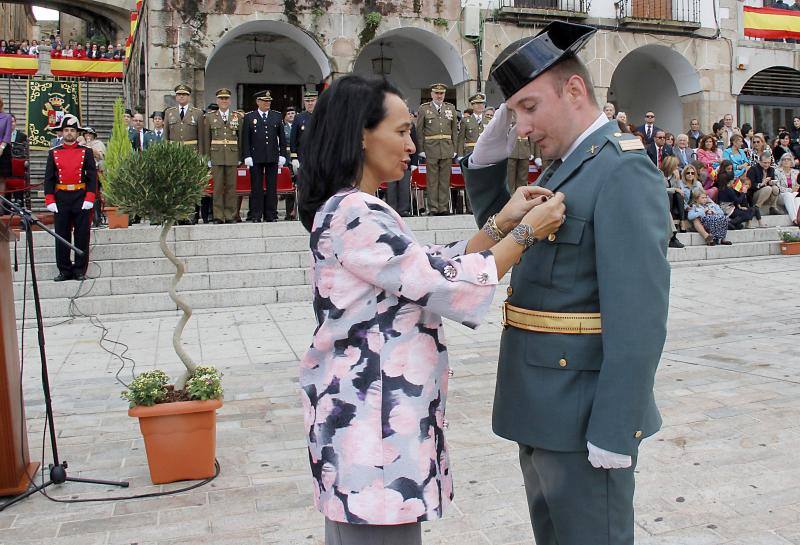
x,y
708,218
733,200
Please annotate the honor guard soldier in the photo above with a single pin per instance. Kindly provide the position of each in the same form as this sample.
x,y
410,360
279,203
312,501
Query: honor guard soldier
x,y
471,125
183,123
70,184
263,149
437,129
586,315
220,141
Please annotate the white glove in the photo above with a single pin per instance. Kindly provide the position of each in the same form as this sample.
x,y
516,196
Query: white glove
x,y
295,165
248,161
281,161
209,163
414,167
87,205
538,162
53,208
607,460
530,158
497,140
422,154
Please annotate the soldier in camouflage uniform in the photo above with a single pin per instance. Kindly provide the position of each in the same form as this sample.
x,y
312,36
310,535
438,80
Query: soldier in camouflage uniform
x,y
437,130
220,141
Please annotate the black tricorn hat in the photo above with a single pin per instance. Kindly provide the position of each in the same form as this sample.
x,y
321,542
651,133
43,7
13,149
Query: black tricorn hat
x,y
524,60
68,121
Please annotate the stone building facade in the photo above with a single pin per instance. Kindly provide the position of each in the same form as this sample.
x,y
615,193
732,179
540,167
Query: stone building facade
x,y
690,62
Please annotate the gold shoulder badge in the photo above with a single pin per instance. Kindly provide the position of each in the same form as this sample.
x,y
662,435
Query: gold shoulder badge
x,y
631,144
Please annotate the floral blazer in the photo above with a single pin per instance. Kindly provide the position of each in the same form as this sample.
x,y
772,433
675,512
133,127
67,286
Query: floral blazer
x,y
374,381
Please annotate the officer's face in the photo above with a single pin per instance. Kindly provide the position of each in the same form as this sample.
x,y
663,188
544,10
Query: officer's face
x,y
437,96
478,107
310,103
224,103
263,105
290,117
182,99
387,147
70,134
158,123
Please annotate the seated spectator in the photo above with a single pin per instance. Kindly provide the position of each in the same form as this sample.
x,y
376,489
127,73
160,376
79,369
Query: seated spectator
x,y
670,140
706,179
622,116
57,53
707,152
747,136
718,129
694,133
80,52
784,146
758,148
708,219
733,201
786,175
691,180
623,127
610,110
682,151
737,156
764,189
677,191
658,150
724,175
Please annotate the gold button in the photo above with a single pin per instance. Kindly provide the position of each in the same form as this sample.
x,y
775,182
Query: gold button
x,y
551,237
562,362
509,291
638,434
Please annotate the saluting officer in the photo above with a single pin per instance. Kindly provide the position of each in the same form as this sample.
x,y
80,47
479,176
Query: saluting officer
x,y
471,125
70,185
263,149
183,123
586,315
437,129
220,140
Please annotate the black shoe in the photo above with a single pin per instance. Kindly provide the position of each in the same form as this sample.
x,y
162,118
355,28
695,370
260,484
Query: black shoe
x,y
79,277
217,222
725,242
229,221
774,211
675,243
251,220
61,277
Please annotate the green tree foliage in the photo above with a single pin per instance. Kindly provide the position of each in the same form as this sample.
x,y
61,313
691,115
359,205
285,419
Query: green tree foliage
x,y
118,149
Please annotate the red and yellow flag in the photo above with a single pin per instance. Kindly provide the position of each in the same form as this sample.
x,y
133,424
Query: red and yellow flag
x,y
771,23
86,68
19,65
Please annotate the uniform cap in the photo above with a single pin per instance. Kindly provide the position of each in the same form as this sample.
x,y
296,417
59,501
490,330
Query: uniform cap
x,y
157,114
525,60
289,109
183,90
88,129
223,93
477,98
263,95
439,87
310,94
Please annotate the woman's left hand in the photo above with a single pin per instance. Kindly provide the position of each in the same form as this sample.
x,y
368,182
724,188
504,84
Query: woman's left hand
x,y
524,199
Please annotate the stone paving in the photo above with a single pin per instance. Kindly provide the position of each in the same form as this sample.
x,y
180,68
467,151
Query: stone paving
x,y
722,471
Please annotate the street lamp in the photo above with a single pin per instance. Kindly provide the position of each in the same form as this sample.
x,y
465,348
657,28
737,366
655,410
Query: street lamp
x,y
255,61
382,66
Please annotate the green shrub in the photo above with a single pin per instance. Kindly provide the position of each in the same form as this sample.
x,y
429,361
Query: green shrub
x,y
205,383
788,236
147,389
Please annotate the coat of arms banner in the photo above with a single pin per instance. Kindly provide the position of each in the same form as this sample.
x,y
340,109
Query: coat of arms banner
x,y
48,102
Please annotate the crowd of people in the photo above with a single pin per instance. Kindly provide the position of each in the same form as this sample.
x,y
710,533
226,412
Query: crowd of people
x,y
58,48
722,179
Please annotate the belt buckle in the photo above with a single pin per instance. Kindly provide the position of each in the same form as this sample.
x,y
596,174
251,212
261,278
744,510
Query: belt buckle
x,y
70,187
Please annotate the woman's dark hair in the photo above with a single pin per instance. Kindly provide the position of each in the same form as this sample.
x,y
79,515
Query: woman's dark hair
x,y
723,176
706,137
623,126
333,157
783,135
746,128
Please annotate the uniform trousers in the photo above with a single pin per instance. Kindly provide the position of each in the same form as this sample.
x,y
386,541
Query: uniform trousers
x,y
438,179
342,533
517,173
572,503
225,202
73,224
398,194
264,204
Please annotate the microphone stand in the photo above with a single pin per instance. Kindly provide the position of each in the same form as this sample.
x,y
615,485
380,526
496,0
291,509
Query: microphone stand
x,y
58,469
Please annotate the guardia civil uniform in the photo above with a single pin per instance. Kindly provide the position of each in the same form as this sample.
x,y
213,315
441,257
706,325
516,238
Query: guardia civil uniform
x,y
518,163
585,318
220,141
437,130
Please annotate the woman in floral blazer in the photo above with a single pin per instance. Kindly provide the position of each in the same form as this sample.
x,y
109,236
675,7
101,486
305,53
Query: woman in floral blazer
x,y
374,381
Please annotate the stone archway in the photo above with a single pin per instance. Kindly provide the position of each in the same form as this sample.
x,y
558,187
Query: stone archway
x,y
419,59
292,61
658,78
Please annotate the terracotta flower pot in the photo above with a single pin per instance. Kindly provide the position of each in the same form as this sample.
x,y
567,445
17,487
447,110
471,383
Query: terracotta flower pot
x,y
116,220
180,439
790,248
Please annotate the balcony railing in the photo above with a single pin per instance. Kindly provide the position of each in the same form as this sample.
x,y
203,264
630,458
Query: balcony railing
x,y
557,6
659,11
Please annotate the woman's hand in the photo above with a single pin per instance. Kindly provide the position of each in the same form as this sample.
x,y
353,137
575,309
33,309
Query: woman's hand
x,y
521,202
546,218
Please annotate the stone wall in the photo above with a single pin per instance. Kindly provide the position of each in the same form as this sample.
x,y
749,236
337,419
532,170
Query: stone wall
x,y
14,22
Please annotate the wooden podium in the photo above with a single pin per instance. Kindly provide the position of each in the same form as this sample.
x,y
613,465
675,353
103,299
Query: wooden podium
x,y
15,465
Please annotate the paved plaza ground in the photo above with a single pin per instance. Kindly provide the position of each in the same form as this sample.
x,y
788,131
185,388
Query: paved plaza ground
x,y
723,470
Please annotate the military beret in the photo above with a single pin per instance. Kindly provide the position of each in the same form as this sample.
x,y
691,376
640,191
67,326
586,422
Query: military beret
x,y
262,95
439,87
223,93
183,90
477,98
310,94
525,60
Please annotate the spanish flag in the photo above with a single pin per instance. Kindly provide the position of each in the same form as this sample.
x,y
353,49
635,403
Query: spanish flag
x,y
771,23
86,68
19,65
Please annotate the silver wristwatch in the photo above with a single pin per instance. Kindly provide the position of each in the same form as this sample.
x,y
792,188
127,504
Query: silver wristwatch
x,y
523,235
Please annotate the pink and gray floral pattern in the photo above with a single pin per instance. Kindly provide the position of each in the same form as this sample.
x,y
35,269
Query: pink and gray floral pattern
x,y
374,381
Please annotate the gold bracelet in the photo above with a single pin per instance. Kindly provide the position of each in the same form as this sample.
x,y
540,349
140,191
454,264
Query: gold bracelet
x,y
491,229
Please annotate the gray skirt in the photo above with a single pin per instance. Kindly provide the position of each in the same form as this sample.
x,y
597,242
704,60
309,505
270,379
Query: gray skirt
x,y
343,533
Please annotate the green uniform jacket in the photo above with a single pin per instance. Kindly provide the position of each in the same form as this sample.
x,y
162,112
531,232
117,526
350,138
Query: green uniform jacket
x,y
608,257
523,149
469,132
220,141
186,130
431,123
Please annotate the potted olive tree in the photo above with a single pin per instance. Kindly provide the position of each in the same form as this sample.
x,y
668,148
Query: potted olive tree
x,y
163,184
119,148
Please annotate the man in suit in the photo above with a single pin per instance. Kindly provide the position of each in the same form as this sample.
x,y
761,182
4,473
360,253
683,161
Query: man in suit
x,y
59,138
437,130
648,128
694,133
263,150
586,315
682,151
138,133
220,141
658,148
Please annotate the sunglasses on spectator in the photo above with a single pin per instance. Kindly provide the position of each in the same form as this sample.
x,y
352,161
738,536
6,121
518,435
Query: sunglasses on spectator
x,y
649,116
